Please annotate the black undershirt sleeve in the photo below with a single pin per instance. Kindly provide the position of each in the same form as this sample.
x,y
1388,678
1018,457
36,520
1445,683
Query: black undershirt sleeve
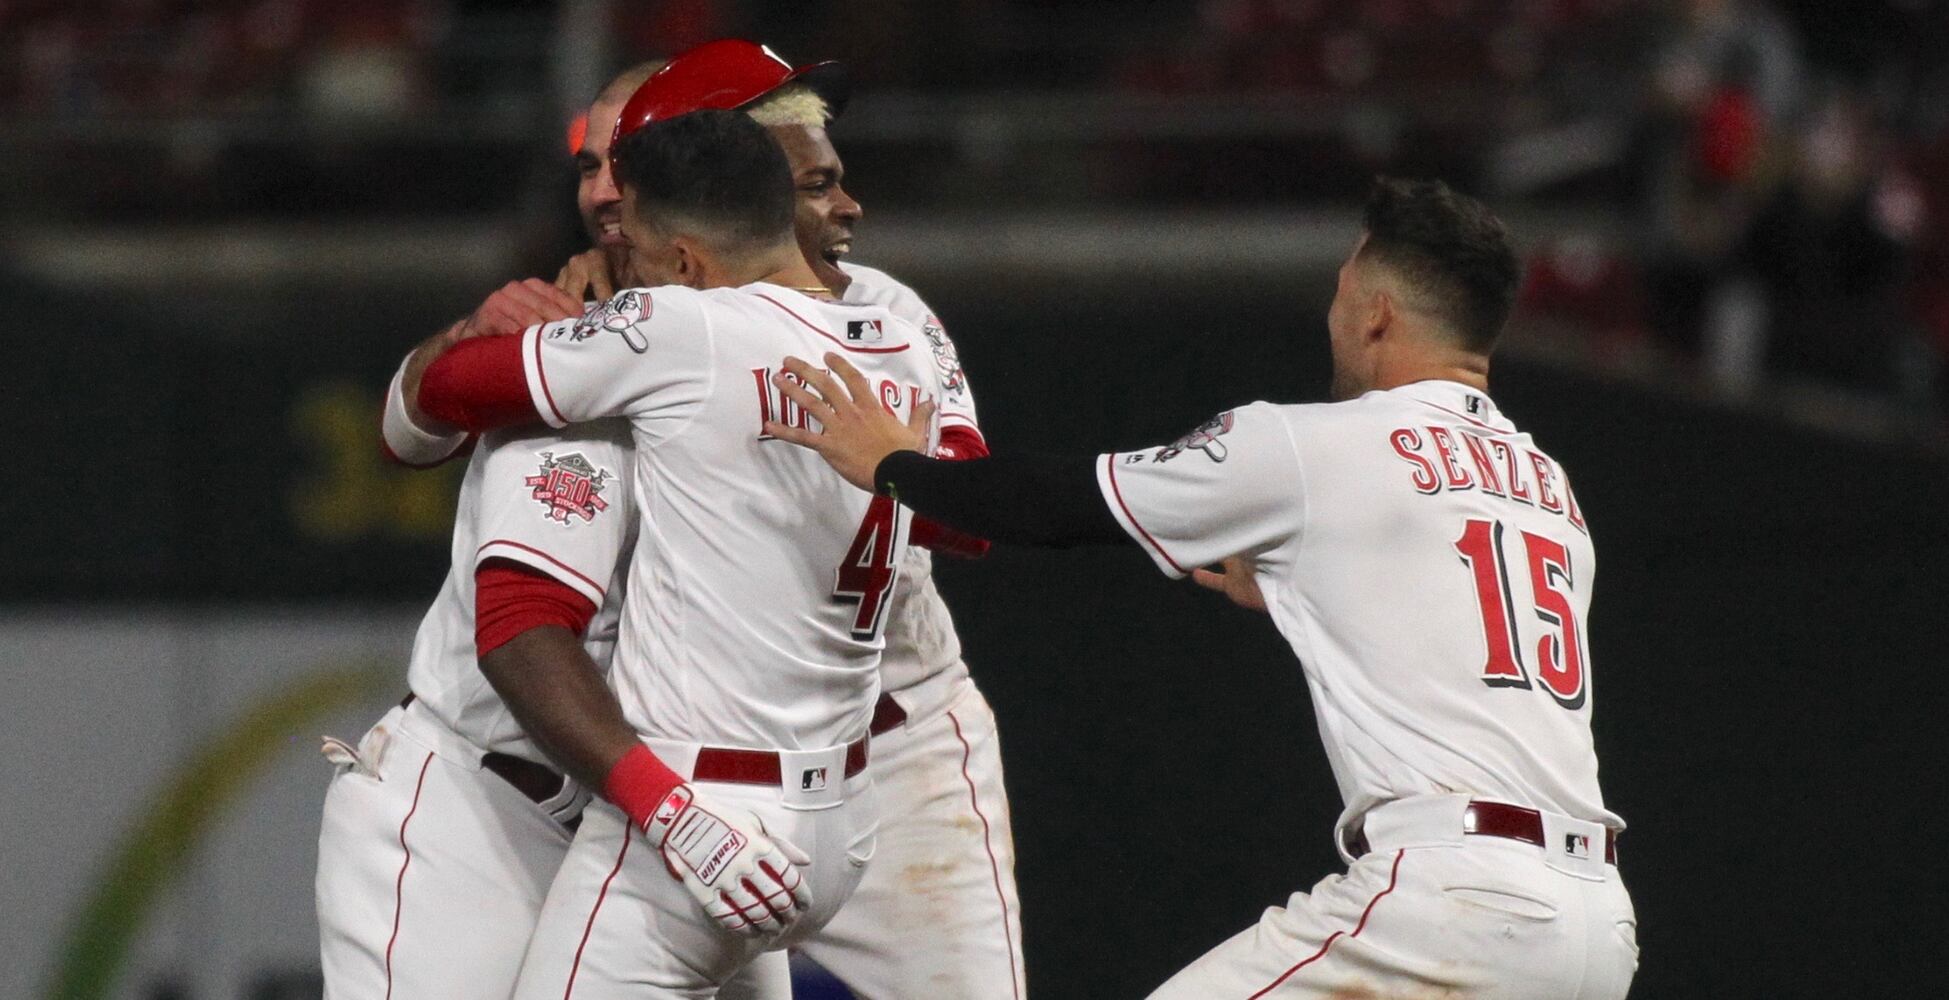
x,y
1048,501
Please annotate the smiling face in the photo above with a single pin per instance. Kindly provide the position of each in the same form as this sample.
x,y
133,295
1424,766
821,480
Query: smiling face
x,y
825,213
596,197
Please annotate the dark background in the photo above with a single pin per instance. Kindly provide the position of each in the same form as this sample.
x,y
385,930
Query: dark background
x,y
223,222
1766,629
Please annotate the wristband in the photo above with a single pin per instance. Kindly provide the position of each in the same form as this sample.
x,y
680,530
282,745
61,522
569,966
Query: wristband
x,y
639,783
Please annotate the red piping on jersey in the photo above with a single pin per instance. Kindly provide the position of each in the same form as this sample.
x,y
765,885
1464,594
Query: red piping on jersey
x,y
576,967
821,331
1392,875
541,375
1464,416
1111,461
565,567
994,867
399,884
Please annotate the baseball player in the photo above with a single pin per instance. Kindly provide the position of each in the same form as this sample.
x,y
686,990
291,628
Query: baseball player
x,y
936,759
937,762
747,668
1431,569
431,876
445,825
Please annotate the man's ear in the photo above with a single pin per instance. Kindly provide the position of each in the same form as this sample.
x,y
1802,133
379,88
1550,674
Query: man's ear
x,y
690,266
1379,316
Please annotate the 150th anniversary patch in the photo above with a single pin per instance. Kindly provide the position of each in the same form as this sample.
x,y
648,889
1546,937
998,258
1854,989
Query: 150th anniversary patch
x,y
569,486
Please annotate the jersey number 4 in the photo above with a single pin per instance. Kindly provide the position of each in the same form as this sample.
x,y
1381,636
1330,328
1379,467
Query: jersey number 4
x,y
866,574
1560,651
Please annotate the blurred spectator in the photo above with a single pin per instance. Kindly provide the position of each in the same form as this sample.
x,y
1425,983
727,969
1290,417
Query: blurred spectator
x,y
367,63
1827,255
1741,46
188,58
1726,89
1579,283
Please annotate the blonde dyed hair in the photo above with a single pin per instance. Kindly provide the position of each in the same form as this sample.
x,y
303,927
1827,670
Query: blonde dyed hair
x,y
792,104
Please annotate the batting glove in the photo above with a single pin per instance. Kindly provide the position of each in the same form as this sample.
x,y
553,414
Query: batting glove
x,y
747,880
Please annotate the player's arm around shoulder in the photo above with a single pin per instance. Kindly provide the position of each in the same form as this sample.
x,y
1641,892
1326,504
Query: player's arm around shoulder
x,y
644,350
413,435
579,368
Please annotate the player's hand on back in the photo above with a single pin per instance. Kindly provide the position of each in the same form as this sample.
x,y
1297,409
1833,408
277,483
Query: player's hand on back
x,y
855,432
518,305
744,878
586,277
512,308
1235,580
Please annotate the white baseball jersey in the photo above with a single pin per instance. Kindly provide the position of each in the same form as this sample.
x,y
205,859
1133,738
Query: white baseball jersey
x,y
760,583
921,641
556,502
1429,566
432,869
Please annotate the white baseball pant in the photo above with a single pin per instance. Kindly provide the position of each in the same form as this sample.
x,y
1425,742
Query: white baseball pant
x,y
618,926
1431,911
431,869
936,915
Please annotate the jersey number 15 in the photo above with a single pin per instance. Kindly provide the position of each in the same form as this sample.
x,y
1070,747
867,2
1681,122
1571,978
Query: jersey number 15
x,y
1560,650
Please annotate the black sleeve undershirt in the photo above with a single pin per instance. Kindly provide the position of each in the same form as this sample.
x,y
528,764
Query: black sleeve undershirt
x,y
1047,501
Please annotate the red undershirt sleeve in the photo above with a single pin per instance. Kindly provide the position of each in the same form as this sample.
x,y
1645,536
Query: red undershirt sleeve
x,y
510,599
479,384
958,444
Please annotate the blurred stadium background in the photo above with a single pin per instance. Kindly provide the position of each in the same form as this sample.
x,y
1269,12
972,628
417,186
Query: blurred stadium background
x,y
223,222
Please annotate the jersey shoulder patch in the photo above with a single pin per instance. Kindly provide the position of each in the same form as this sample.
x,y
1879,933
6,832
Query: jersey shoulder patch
x,y
623,315
1205,438
569,487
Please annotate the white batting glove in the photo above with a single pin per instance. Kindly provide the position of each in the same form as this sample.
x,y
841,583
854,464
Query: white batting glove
x,y
747,880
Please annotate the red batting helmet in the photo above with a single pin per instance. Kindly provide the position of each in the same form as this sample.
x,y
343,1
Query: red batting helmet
x,y
722,75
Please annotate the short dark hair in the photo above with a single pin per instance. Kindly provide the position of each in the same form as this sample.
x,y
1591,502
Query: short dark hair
x,y
1451,248
717,174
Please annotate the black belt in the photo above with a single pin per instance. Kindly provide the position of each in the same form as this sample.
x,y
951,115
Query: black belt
x,y
538,782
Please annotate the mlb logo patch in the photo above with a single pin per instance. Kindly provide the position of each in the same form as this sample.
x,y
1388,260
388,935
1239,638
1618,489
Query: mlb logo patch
x,y
864,331
1475,405
1576,845
813,779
